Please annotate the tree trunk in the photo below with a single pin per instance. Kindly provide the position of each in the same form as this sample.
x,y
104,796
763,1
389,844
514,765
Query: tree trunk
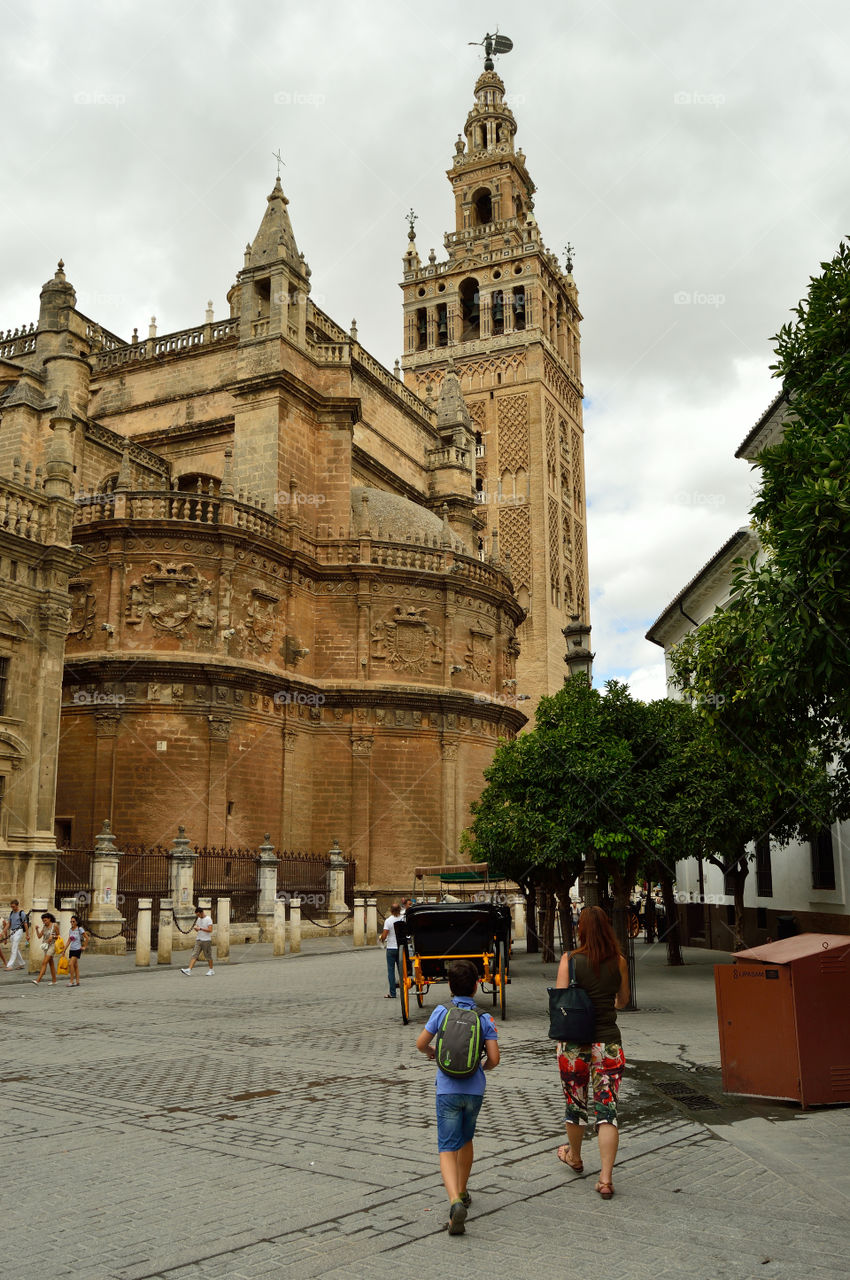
x,y
649,914
565,915
672,932
532,940
547,928
738,875
620,909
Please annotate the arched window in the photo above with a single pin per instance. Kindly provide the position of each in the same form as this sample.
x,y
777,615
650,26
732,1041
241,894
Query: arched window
x,y
482,207
421,329
519,307
108,483
470,310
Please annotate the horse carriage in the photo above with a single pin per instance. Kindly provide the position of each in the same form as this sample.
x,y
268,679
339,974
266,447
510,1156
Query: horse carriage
x,y
433,934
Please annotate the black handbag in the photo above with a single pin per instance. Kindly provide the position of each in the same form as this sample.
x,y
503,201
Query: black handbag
x,y
572,1015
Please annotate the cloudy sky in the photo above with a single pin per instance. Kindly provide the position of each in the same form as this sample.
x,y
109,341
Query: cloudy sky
x,y
696,156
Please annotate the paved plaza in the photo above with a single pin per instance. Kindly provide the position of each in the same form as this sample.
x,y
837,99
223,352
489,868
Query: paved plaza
x,y
276,1120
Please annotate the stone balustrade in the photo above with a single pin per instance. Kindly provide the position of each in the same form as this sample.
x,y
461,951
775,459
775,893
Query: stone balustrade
x,y
23,511
17,342
201,336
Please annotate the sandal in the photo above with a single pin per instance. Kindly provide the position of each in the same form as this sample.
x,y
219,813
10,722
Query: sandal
x,y
563,1153
605,1189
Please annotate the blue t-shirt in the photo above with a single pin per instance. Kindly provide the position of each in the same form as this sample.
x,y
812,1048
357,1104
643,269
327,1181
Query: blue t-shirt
x,y
471,1084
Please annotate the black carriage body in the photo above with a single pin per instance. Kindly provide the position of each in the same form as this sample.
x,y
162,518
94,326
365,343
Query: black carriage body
x,y
439,932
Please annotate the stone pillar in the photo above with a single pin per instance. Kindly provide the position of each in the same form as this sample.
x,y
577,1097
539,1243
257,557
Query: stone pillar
x,y
448,752
294,925
361,800
166,925
371,922
67,908
182,857
359,922
267,865
519,918
104,917
143,933
222,930
36,953
336,880
279,938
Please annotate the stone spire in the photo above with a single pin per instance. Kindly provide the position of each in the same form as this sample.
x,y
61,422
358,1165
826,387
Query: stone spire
x,y
275,237
451,407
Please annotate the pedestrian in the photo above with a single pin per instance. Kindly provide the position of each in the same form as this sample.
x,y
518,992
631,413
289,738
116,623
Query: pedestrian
x,y
4,933
48,933
459,1100
388,936
18,930
77,943
600,968
203,928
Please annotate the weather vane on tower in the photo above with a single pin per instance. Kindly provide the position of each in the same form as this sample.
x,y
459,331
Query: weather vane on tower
x,y
493,44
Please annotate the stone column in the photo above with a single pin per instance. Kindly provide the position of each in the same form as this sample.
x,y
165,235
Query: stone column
x,y
182,857
166,925
267,865
67,908
336,883
104,916
359,922
448,751
279,938
36,953
361,799
143,933
294,925
222,930
519,918
371,922
219,730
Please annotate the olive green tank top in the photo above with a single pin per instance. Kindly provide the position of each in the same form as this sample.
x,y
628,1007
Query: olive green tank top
x,y
602,987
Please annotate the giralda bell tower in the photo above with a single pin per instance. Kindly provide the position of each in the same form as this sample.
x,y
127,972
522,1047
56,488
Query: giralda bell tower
x,y
504,313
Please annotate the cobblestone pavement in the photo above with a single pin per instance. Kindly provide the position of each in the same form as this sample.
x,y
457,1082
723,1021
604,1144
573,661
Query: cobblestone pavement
x,y
276,1120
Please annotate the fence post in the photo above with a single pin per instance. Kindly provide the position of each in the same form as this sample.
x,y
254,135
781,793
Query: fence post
x,y
519,918
166,921
143,933
294,925
222,930
336,881
182,857
267,864
39,905
104,918
279,944
371,922
359,922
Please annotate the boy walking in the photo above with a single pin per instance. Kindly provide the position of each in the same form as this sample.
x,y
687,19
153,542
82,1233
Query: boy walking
x,y
459,1100
203,928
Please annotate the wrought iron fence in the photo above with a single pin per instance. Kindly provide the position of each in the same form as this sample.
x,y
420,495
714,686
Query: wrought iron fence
x,y
229,873
143,872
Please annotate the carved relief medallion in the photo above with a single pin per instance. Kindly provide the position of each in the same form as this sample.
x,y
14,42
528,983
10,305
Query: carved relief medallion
x,y
407,640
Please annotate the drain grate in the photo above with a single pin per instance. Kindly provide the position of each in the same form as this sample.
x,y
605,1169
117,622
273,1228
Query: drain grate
x,y
688,1097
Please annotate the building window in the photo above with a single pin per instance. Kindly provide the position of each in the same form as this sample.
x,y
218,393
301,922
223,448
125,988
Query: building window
x,y
470,310
442,325
421,329
519,308
4,681
823,860
482,205
764,871
497,311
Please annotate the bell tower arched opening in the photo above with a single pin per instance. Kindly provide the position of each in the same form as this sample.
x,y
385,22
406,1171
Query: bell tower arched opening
x,y
482,207
470,310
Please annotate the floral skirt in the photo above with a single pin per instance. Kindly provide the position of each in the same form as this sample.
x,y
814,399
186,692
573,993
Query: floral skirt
x,y
591,1068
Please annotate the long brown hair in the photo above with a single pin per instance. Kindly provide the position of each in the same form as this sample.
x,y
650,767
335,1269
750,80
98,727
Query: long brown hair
x,y
596,937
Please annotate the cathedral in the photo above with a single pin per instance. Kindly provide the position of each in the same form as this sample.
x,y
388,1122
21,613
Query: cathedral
x,y
298,592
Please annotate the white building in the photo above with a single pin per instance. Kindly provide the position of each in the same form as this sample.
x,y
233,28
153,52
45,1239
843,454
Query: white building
x,y
802,886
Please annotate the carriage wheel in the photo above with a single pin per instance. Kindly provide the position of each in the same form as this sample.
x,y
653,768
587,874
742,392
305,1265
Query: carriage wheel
x,y
502,983
634,925
403,989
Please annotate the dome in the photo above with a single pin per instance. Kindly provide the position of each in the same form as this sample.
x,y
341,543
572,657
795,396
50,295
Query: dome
x,y
392,518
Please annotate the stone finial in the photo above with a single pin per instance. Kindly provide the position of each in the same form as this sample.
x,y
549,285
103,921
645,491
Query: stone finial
x,y
432,257
182,846
135,338
397,369
226,489
446,539
104,844
64,412
60,270
495,553
152,327
125,477
209,317
353,333
266,850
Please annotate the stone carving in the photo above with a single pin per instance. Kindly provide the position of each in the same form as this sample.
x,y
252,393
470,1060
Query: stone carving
x,y
407,640
171,596
361,746
513,432
83,610
260,617
554,540
479,655
514,528
220,728
576,442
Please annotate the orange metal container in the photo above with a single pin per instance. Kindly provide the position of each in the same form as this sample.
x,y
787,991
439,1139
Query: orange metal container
x,y
783,1013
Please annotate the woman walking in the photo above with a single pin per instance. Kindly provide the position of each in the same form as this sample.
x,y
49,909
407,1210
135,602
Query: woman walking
x,y
597,1068
48,934
77,939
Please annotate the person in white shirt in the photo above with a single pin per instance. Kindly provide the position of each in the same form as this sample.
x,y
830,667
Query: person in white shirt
x,y
203,942
388,936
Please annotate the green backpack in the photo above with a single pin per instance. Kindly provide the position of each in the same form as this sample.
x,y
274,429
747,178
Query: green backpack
x,y
459,1043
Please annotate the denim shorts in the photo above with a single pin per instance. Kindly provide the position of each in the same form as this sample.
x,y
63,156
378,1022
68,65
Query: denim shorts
x,y
456,1116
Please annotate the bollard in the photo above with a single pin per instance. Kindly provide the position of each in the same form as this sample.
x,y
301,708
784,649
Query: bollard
x,y
294,925
67,908
279,929
36,955
222,930
166,919
519,918
359,922
143,933
371,922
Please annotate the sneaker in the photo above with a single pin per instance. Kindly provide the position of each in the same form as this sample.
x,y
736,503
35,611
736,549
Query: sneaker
x,y
188,972
457,1217
210,973
466,1199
